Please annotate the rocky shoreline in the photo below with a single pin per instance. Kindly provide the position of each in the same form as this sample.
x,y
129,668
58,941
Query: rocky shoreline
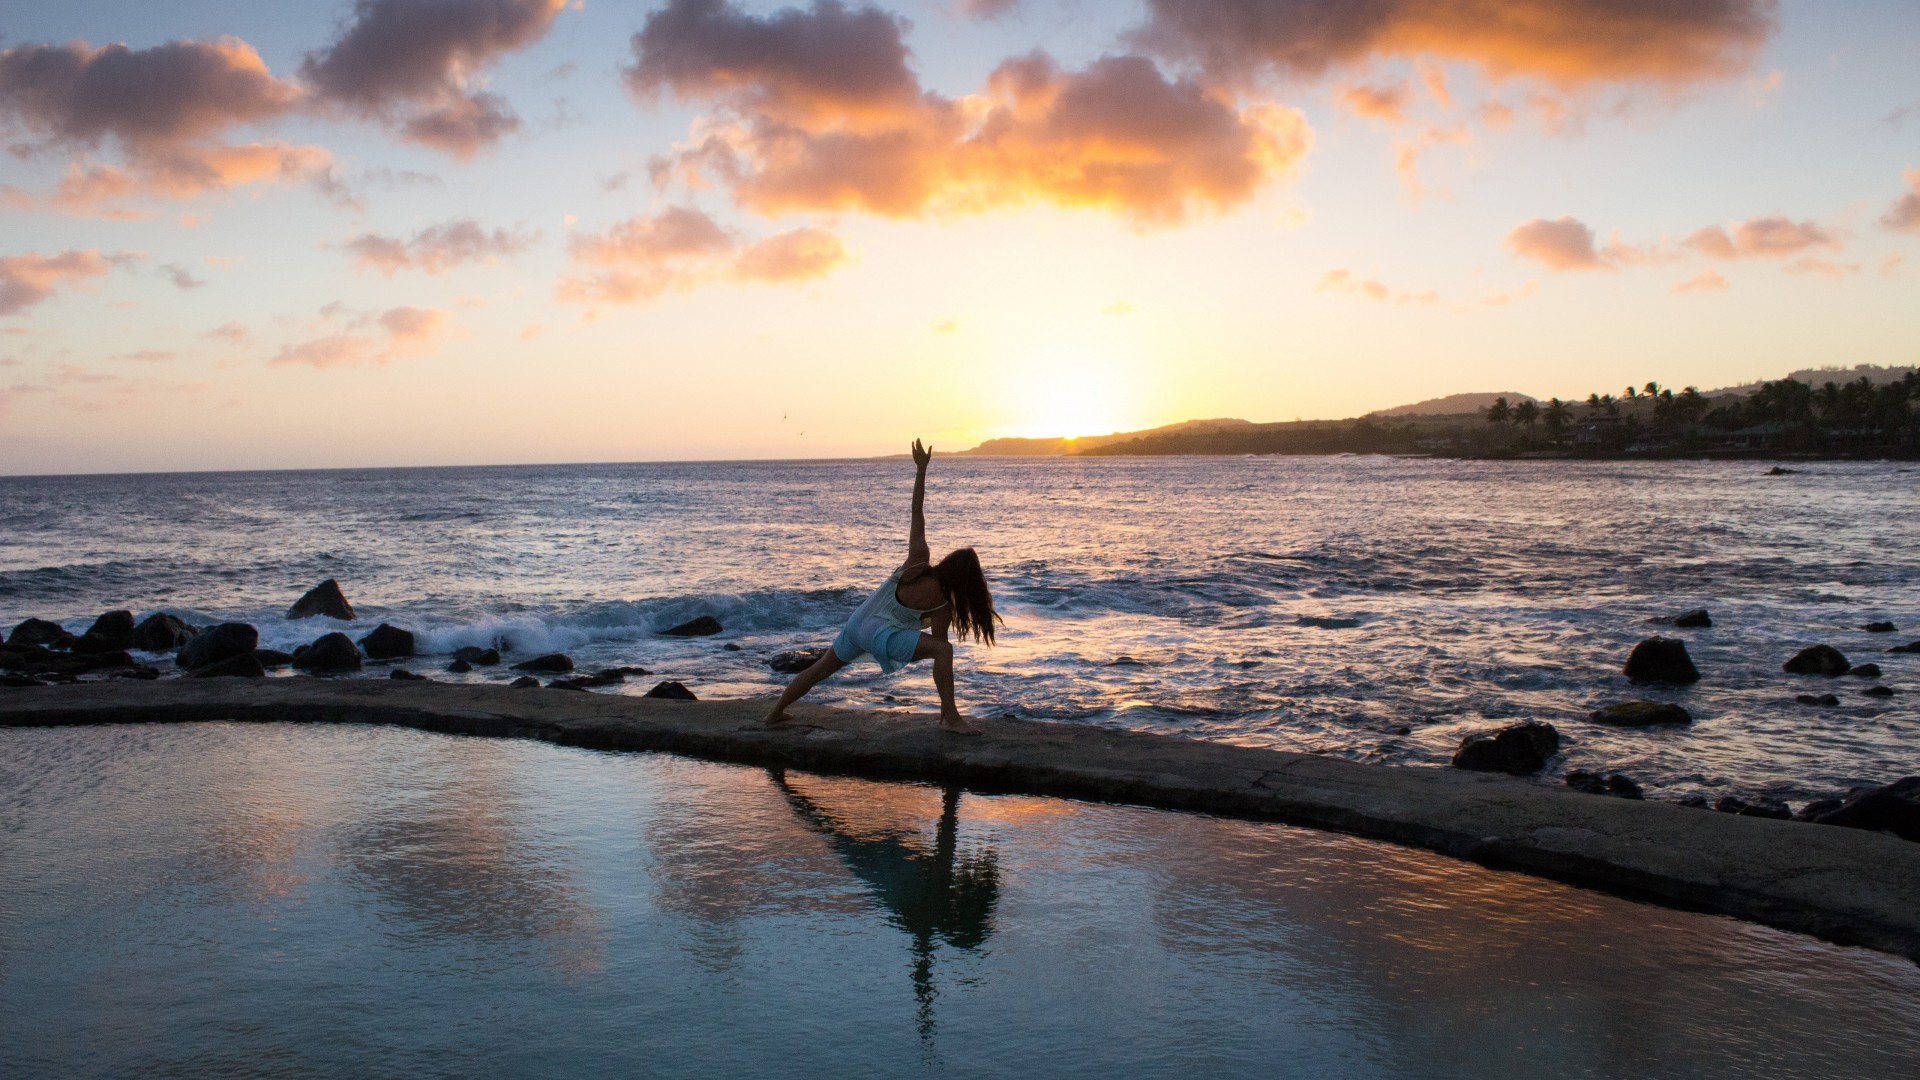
x,y
1848,885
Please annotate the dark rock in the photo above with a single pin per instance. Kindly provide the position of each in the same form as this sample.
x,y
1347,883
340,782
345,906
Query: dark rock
x,y
1878,691
1696,802
1662,660
403,675
161,632
568,684
608,677
97,643
1326,622
1894,808
13,679
323,599
1589,782
142,672
272,658
1126,661
1766,808
731,646
1518,749
1911,646
549,662
40,632
1778,471
624,671
1641,714
1817,660
703,626
217,643
671,690
244,665
1817,699
115,628
1818,807
477,656
524,682
1697,618
1880,628
459,667
1403,730
1621,787
794,661
387,642
37,660
328,654
1866,671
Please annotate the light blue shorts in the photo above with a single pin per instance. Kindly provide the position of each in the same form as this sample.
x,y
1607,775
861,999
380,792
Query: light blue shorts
x,y
889,645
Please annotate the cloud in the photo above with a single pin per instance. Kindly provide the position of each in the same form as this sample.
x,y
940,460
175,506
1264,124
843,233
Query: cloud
x,y
988,9
26,280
181,277
235,331
818,111
1561,244
1708,280
148,356
1569,42
681,248
1760,238
1815,265
1386,102
1904,214
438,248
1344,281
399,332
414,65
164,109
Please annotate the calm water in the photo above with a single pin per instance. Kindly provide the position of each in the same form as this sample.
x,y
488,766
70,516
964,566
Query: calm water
x,y
271,900
1322,604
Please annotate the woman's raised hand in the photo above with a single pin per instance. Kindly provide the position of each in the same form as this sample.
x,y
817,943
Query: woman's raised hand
x,y
921,454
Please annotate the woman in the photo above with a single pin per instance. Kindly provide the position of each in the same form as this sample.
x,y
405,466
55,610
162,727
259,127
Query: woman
x,y
920,596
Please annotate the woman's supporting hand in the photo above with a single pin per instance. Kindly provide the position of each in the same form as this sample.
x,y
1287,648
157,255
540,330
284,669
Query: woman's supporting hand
x,y
921,455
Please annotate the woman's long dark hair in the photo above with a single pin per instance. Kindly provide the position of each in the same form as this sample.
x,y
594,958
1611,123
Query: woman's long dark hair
x,y
965,586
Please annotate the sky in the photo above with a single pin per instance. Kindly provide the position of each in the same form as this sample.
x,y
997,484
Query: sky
x,y
237,235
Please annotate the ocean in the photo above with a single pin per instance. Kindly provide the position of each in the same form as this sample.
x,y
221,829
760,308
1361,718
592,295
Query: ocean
x,y
1372,608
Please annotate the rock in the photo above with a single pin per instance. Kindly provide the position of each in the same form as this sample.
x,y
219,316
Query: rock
x,y
731,646
1326,622
1817,660
1879,628
403,675
1641,714
1662,660
1778,471
243,665
1697,618
272,658
1878,691
1911,646
609,677
459,667
1615,784
671,690
387,642
1820,806
1894,808
40,632
1766,808
330,653
95,643
624,671
323,599
568,684
1518,749
114,629
549,662
12,679
217,643
1866,671
524,682
1817,699
703,626
1696,802
477,656
794,661
161,632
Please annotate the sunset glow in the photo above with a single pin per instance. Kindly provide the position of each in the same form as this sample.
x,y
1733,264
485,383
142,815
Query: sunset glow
x,y
532,230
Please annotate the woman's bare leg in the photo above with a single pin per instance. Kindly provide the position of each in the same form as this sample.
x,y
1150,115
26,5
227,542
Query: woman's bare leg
x,y
940,651
803,682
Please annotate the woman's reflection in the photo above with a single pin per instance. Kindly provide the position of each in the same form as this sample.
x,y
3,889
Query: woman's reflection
x,y
938,894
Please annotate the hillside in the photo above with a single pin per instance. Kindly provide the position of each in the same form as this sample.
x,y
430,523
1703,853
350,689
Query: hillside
x,y
1062,447
1453,404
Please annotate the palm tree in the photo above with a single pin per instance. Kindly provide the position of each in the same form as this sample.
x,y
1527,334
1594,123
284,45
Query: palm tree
x,y
1652,389
1501,413
1557,415
1527,414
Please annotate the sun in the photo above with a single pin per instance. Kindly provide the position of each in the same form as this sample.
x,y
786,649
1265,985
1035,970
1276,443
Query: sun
x,y
1066,392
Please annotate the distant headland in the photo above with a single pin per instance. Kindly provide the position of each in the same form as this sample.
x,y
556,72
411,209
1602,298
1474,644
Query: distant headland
x,y
1864,411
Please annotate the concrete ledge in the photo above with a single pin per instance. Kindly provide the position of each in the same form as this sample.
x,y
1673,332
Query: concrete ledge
x,y
1845,885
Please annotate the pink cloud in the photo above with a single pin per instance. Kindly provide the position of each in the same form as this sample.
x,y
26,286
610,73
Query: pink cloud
x,y
438,248
1904,214
1708,280
32,278
402,331
681,248
1561,244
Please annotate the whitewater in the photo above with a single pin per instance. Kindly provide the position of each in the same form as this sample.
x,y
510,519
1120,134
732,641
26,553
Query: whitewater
x,y
1369,607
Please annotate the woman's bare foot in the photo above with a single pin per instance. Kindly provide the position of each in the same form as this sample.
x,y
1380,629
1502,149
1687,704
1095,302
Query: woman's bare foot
x,y
776,718
958,725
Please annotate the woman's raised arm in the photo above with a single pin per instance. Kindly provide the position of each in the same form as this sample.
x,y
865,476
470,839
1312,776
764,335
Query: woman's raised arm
x,y
917,539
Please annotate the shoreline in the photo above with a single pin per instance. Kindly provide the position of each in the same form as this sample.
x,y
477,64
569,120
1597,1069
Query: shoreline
x,y
1844,885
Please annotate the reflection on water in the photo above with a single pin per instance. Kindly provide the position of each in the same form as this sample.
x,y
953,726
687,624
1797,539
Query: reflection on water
x,y
281,900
